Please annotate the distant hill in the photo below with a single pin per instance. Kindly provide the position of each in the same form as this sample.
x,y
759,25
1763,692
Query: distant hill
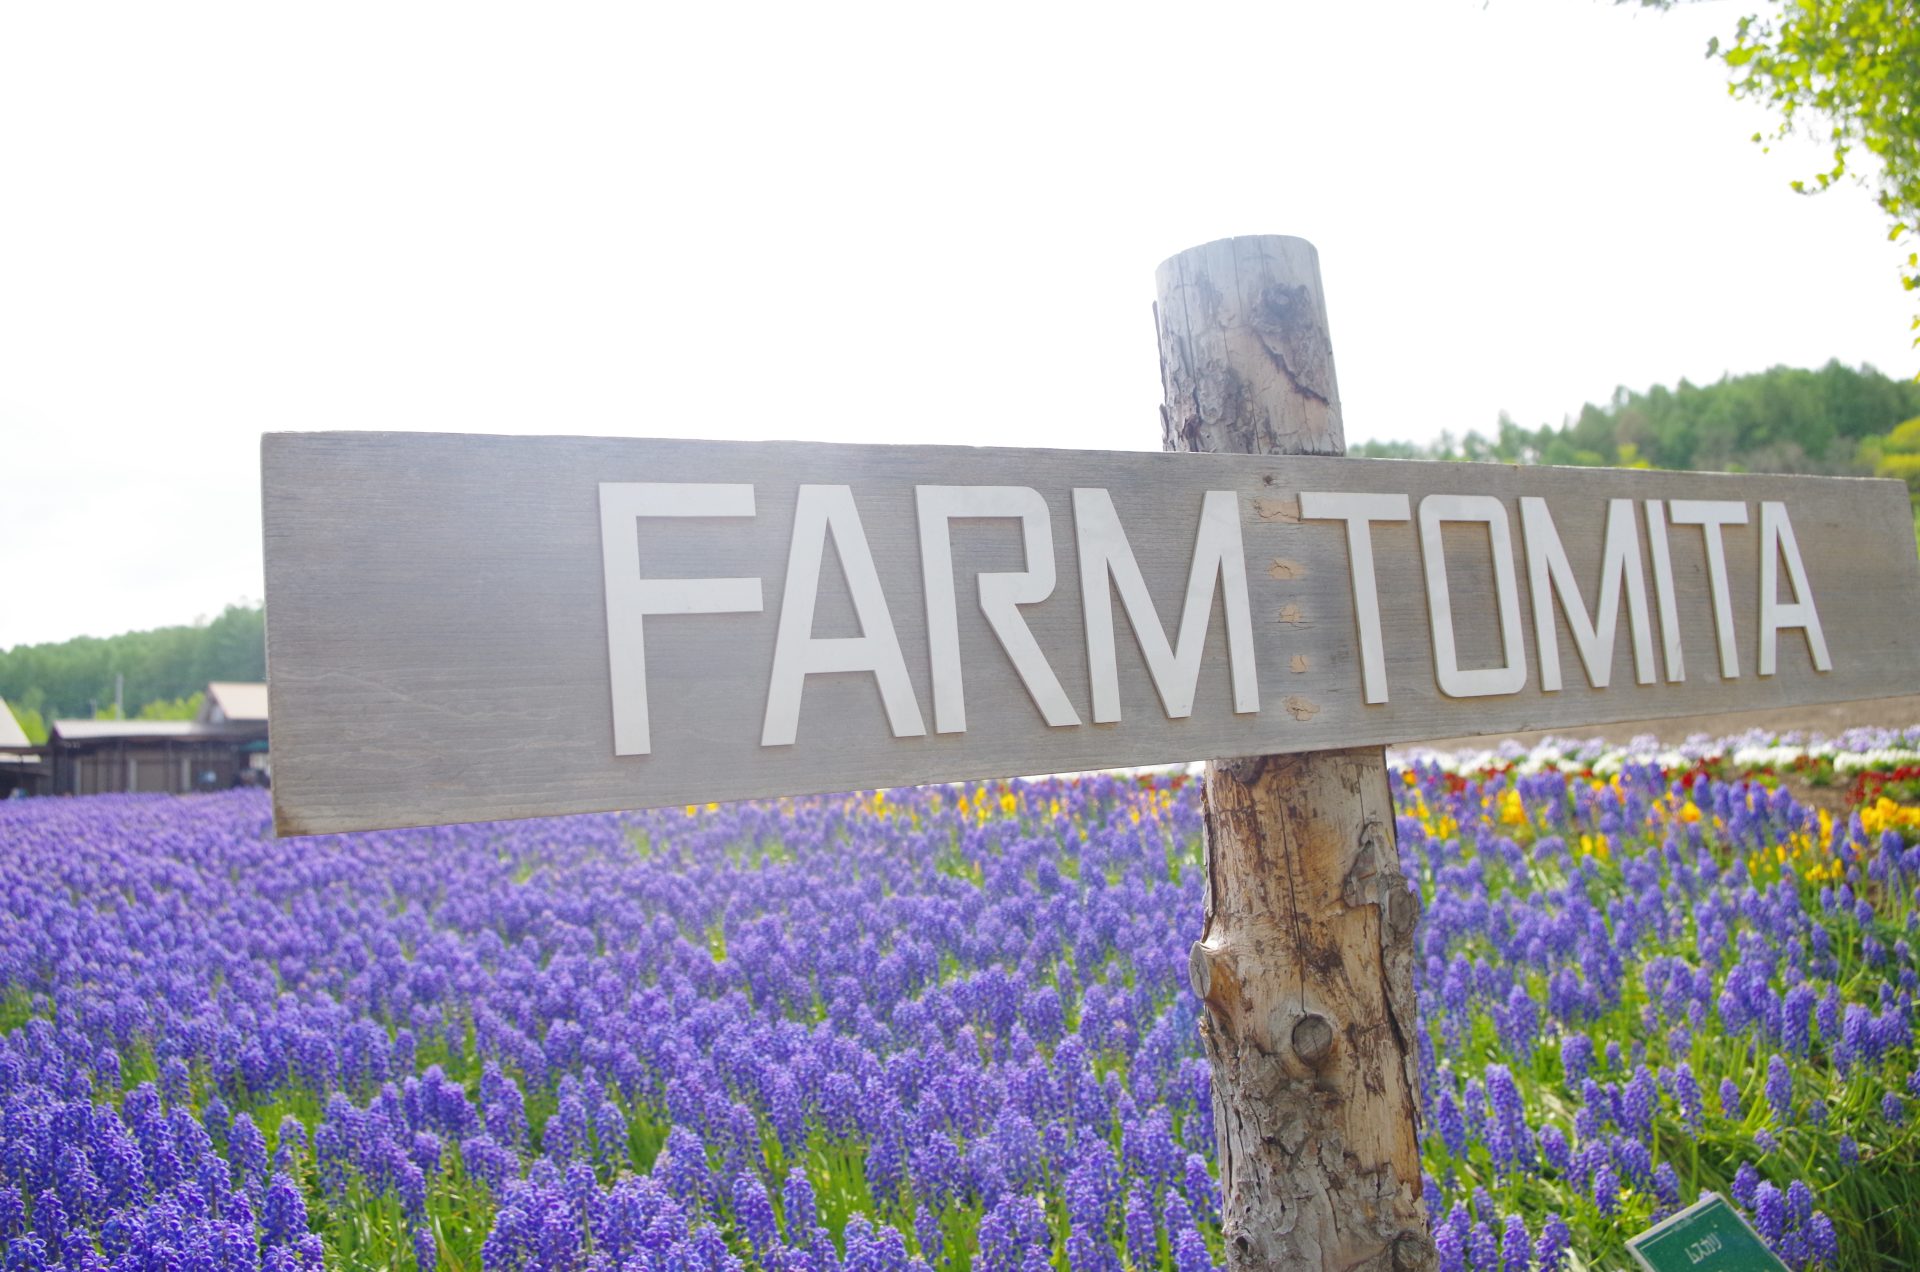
x,y
164,667
1834,420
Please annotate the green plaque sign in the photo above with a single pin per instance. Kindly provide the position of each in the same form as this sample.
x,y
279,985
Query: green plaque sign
x,y
1708,1236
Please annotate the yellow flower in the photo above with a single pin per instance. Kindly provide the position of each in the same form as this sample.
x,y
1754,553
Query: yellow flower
x,y
1512,811
1883,815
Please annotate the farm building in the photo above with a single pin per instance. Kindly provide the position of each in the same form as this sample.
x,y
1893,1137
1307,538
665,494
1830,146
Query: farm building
x,y
234,702
224,746
22,767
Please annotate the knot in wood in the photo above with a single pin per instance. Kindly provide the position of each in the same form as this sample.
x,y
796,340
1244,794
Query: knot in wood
x,y
1414,1252
1284,308
1210,973
1199,970
1313,1039
1402,910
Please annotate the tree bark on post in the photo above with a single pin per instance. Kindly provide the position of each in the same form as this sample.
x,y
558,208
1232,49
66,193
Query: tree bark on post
x,y
1305,962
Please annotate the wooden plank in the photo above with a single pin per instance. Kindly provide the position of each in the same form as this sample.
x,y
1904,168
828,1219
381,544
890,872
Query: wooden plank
x,y
438,634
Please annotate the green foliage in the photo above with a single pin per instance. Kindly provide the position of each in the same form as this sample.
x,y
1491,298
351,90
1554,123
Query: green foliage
x,y
174,708
167,665
32,723
1902,468
1905,439
17,1006
1835,420
1845,72
1899,457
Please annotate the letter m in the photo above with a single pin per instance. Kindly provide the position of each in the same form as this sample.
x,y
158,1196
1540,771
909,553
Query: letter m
x,y
1217,554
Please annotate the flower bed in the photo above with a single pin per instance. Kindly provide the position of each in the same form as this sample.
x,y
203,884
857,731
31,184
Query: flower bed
x,y
947,1024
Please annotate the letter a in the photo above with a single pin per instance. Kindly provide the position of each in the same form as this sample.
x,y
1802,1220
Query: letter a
x,y
798,653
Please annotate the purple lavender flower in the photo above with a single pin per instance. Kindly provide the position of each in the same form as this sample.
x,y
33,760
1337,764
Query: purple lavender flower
x,y
285,1216
1554,1148
1800,1201
1638,1103
1823,1247
1550,1251
247,1151
753,1211
1190,1253
1796,1023
1685,1089
1779,1090
1203,1192
1769,1213
1011,1232
1576,1056
1666,1185
1451,1242
1450,1124
1514,1252
1746,1183
686,1173
1142,1243
1606,1189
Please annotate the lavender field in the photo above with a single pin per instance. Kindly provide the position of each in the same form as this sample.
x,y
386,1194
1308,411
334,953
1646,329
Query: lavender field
x,y
946,1026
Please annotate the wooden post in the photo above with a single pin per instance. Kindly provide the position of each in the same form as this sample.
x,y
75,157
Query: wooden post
x,y
1305,962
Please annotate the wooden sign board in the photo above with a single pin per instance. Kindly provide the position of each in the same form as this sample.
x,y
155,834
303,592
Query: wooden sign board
x,y
463,628
1708,1236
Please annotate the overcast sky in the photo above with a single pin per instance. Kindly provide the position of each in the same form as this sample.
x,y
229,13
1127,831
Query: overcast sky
x,y
812,221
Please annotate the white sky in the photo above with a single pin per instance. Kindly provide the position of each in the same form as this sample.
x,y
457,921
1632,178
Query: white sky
x,y
810,221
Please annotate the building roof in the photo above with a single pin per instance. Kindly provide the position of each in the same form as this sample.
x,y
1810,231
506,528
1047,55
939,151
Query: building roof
x,y
235,701
95,730
11,734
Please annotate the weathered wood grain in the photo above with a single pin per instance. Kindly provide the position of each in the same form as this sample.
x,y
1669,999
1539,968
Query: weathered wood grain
x,y
437,634
1305,959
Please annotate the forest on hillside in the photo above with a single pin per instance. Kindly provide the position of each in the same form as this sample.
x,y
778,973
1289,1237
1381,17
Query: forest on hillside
x,y
164,668
1836,421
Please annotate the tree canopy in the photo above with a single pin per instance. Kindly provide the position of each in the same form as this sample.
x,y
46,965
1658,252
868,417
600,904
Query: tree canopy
x,y
1846,72
1787,420
165,668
